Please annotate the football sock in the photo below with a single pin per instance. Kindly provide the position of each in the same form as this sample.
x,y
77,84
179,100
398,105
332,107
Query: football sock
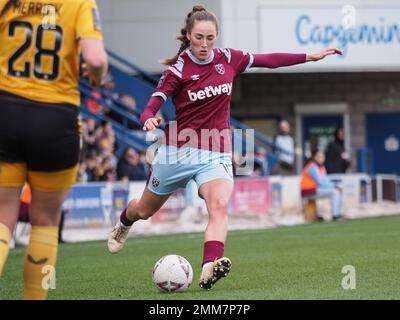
x,y
5,236
213,250
40,259
125,220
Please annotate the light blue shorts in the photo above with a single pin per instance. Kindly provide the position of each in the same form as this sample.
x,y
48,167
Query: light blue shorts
x,y
173,167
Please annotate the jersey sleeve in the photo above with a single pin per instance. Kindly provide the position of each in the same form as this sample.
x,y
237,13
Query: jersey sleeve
x,y
241,61
88,23
168,83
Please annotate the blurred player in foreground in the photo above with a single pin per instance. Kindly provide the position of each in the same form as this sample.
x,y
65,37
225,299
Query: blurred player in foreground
x,y
39,134
199,79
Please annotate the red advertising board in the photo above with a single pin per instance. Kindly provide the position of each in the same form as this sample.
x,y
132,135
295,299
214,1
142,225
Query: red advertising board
x,y
251,196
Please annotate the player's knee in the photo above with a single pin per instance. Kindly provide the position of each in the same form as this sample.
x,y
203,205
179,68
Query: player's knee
x,y
219,205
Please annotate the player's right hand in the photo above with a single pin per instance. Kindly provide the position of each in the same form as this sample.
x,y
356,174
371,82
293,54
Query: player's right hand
x,y
86,75
151,124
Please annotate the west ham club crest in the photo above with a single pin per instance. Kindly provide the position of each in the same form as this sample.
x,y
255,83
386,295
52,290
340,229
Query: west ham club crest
x,y
155,182
220,68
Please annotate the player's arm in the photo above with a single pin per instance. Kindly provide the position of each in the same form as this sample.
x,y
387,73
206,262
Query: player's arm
x,y
276,60
166,87
96,62
148,117
88,33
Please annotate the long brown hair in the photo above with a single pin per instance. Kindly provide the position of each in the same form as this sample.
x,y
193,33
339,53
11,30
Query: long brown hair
x,y
198,13
8,6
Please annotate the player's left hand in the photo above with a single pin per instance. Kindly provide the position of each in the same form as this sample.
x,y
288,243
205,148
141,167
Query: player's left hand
x,y
322,54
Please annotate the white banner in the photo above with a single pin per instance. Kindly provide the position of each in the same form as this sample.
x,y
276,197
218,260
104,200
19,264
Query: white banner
x,y
369,37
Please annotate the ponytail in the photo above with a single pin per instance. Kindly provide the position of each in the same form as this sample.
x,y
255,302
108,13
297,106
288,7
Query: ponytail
x,y
198,13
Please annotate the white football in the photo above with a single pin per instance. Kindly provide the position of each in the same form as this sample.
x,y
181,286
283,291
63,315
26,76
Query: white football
x,y
172,273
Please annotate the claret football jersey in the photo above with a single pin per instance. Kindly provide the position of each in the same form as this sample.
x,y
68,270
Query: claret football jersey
x,y
201,92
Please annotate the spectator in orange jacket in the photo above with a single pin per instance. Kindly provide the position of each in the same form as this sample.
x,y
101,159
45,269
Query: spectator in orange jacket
x,y
315,182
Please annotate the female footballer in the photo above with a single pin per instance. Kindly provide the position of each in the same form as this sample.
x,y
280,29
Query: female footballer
x,y
40,50
197,144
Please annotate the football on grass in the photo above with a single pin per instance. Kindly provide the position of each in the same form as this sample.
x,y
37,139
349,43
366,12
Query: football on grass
x,y
172,273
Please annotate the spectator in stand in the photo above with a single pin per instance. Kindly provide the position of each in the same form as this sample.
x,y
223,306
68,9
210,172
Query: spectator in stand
x,y
105,145
82,174
284,141
108,143
247,164
89,135
98,134
107,171
91,166
92,104
337,159
109,86
315,182
260,161
129,102
109,175
108,132
235,163
130,167
98,156
143,160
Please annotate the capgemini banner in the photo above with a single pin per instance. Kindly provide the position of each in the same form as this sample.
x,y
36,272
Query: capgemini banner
x,y
369,36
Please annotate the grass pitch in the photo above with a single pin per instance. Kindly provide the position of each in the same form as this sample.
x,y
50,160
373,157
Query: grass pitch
x,y
300,262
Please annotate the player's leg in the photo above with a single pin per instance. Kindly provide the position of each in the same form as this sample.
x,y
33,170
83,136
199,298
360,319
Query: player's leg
x,y
164,179
9,210
52,154
49,191
137,209
12,178
216,194
12,170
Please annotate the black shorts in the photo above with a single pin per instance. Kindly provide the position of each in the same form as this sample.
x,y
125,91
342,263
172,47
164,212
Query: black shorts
x,y
45,136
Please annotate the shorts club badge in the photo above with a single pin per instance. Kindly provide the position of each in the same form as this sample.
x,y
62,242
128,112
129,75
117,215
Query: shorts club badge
x,y
220,68
155,182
